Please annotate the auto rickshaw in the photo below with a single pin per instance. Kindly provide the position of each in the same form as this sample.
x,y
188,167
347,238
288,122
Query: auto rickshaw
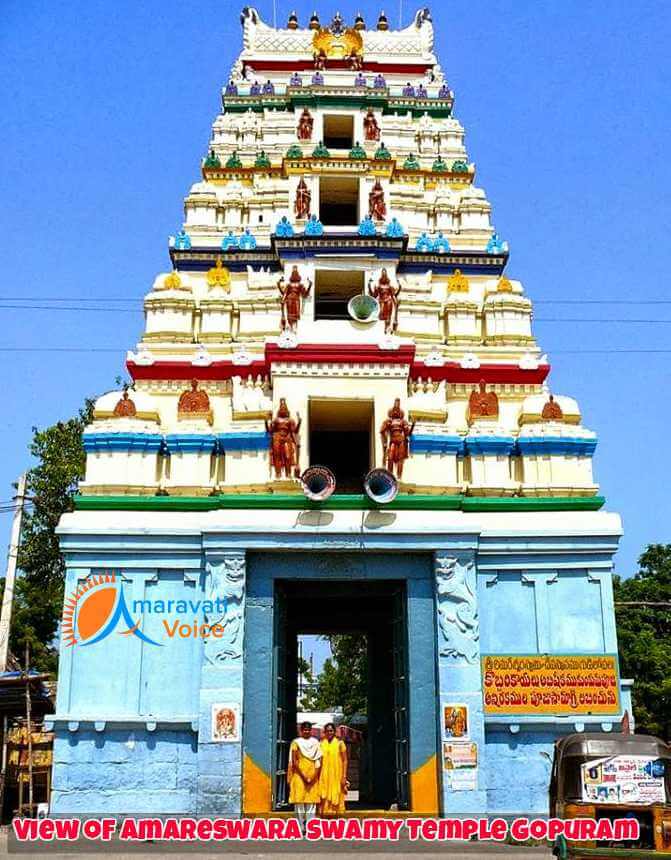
x,y
597,775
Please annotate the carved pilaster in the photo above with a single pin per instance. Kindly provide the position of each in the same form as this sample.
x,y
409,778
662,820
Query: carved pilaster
x,y
219,782
459,674
456,604
225,588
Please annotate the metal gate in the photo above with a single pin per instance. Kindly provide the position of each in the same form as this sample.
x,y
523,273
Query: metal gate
x,y
283,730
400,695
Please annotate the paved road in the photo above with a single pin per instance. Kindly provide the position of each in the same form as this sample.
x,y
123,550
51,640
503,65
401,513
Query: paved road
x,y
245,850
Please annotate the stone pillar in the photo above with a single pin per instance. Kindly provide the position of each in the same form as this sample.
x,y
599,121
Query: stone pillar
x,y
219,788
459,674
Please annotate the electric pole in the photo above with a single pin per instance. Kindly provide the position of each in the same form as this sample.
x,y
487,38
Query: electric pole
x,y
10,576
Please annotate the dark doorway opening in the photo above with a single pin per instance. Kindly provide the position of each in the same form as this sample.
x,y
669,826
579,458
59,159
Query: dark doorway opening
x,y
378,612
333,290
338,131
341,438
339,201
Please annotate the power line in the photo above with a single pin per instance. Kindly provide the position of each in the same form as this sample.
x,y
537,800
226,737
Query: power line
x,y
67,308
25,298
135,300
594,320
123,349
572,320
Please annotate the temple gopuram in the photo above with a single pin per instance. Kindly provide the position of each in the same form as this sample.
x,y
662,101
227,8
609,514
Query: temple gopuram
x,y
338,420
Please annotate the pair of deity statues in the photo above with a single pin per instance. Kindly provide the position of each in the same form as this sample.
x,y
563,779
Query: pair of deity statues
x,y
293,291
284,435
306,124
377,207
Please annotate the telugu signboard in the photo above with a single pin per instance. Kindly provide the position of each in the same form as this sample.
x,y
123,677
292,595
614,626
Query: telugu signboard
x,y
529,684
623,779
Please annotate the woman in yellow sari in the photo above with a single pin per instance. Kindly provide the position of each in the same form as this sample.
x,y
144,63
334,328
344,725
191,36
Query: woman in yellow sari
x,y
305,758
333,783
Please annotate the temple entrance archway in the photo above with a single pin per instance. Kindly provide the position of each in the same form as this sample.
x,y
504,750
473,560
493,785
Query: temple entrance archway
x,y
377,612
388,597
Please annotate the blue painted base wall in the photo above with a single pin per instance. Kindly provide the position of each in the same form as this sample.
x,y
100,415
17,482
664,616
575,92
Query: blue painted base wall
x,y
467,596
124,771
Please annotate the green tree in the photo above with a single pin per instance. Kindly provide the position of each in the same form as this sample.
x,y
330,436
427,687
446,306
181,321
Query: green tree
x,y
51,484
644,638
343,680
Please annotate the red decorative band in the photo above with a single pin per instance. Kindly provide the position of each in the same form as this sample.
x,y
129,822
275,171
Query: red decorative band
x,y
317,353
493,374
307,65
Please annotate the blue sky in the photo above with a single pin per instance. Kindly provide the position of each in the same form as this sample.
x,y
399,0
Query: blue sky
x,y
107,111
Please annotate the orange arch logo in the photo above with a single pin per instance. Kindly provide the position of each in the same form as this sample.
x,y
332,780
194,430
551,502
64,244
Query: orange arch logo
x,y
94,610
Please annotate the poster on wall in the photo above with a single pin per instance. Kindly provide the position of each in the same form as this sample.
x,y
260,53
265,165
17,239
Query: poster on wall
x,y
456,721
225,723
623,779
561,684
460,765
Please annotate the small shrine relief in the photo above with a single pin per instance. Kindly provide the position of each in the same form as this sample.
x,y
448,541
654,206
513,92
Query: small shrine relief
x,y
194,403
482,403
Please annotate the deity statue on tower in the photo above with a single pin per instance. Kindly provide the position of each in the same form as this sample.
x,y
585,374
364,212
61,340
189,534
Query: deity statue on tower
x,y
305,125
377,208
284,442
319,58
303,198
395,433
387,295
292,295
371,128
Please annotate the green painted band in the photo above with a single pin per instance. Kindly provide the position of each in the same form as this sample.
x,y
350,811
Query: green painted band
x,y
270,501
301,100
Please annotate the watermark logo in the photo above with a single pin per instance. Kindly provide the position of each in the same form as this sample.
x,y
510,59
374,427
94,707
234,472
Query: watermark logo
x,y
98,608
95,609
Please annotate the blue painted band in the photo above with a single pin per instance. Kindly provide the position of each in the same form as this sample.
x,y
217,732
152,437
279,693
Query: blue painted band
x,y
427,443
568,446
243,441
147,442
190,443
501,445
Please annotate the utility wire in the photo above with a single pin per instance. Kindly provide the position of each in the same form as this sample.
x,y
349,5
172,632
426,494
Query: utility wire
x,y
123,349
135,300
590,320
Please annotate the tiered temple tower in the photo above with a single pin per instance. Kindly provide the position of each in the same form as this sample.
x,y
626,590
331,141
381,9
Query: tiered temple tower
x,y
338,296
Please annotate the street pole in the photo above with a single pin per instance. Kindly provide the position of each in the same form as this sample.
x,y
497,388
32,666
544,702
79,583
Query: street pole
x,y
10,576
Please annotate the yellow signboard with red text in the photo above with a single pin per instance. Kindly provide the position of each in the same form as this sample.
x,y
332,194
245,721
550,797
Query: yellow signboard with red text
x,y
529,684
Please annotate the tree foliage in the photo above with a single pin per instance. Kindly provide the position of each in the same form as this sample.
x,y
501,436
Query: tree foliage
x,y
644,637
343,680
51,484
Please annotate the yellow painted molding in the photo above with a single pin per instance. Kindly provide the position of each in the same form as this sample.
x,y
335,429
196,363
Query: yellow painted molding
x,y
167,337
283,487
116,490
259,415
190,491
103,415
430,489
256,788
427,415
424,788
537,418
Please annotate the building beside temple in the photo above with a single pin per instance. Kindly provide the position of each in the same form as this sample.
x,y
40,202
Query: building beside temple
x,y
338,297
